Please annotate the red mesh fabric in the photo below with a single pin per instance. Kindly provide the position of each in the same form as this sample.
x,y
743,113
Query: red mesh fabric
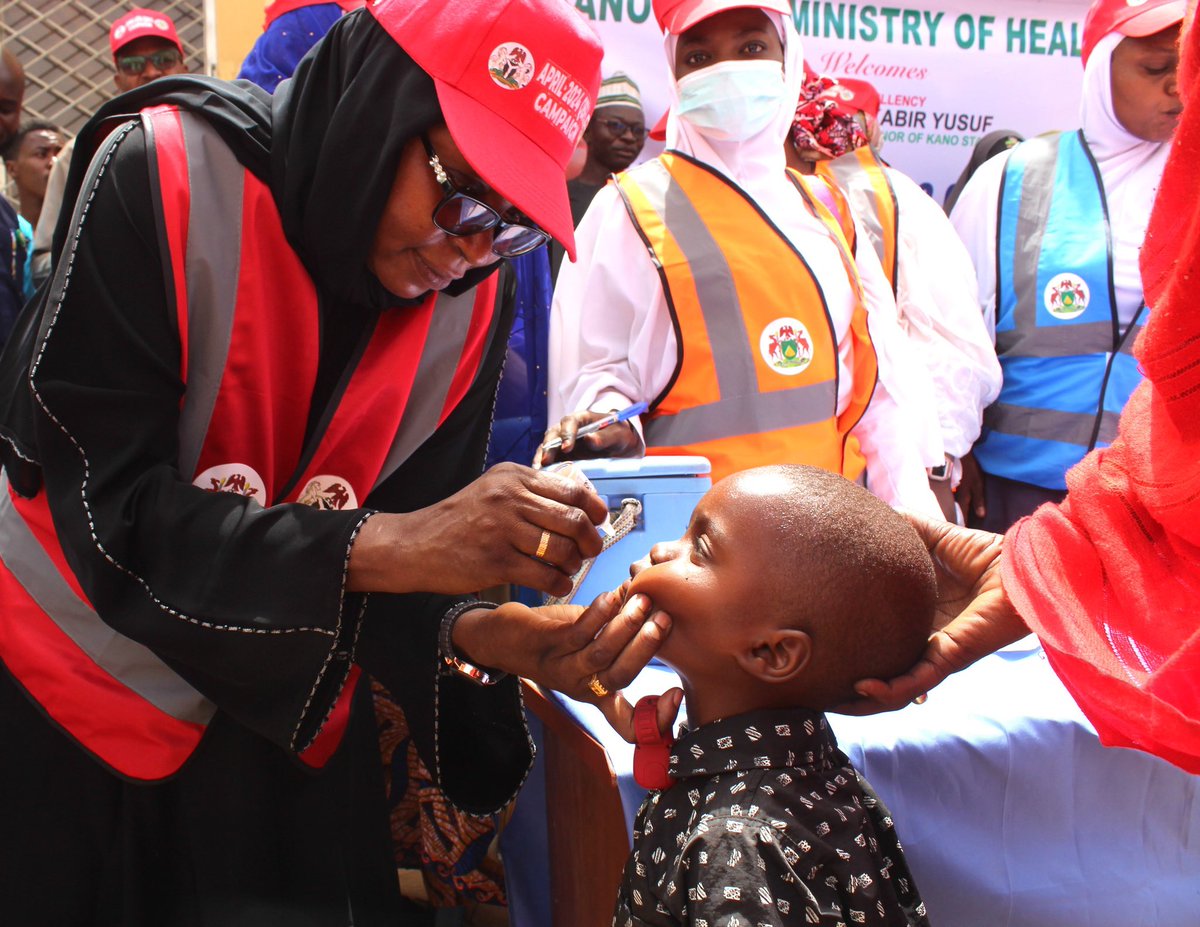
x,y
1110,580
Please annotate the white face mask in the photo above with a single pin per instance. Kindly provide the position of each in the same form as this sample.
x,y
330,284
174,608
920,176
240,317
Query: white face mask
x,y
732,100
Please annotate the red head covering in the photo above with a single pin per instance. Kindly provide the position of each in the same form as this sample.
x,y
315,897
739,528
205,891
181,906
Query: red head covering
x,y
1129,17
825,114
677,16
516,81
139,23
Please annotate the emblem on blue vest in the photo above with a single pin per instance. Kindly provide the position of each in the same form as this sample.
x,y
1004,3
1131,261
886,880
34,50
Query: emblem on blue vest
x,y
1066,296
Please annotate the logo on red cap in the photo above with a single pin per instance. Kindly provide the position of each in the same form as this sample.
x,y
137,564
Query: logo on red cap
x,y
511,65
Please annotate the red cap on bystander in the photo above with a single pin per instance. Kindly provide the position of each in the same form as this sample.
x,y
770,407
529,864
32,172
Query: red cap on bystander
x,y
1135,18
139,23
517,81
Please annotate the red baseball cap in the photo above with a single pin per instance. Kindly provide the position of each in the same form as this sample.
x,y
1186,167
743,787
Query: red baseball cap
x,y
139,23
854,96
517,81
677,16
1134,18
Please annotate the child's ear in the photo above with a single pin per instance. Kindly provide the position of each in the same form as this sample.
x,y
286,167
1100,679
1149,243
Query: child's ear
x,y
782,655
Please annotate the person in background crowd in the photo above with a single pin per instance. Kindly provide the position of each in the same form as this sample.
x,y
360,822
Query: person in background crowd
x,y
614,137
29,159
927,266
1108,579
145,46
14,242
290,29
244,435
672,304
613,140
1054,226
985,149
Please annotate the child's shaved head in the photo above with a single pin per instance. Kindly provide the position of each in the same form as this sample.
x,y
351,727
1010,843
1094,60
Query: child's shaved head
x,y
845,568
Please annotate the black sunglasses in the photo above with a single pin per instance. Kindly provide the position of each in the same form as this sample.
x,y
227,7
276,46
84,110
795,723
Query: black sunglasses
x,y
461,214
136,64
619,127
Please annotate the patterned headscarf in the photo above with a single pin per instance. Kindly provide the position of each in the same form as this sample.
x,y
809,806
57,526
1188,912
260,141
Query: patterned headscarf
x,y
823,122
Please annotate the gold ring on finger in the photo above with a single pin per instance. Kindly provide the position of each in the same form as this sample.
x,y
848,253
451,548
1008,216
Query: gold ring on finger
x,y
597,687
543,545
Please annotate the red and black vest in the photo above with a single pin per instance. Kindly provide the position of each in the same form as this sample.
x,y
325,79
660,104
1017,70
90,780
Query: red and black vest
x,y
248,325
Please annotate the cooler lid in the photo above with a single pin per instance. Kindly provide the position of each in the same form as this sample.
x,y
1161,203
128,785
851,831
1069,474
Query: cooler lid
x,y
644,467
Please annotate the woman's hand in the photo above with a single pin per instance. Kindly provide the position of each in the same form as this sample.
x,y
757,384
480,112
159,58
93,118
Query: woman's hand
x,y
512,525
619,440
573,650
974,615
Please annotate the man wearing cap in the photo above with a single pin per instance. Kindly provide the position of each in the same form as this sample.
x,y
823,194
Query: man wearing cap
x,y
244,442
922,256
614,138
1054,227
145,46
715,289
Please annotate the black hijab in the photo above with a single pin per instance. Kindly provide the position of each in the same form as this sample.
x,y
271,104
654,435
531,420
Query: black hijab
x,y
986,148
327,144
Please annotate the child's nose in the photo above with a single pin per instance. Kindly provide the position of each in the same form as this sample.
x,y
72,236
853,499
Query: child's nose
x,y
663,551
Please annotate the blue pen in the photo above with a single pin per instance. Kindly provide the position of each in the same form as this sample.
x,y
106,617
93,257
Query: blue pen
x,y
610,419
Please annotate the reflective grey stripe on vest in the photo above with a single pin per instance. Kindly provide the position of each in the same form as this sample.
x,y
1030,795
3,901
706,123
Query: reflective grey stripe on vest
x,y
742,409
448,330
1049,424
135,666
855,182
1026,338
213,258
212,267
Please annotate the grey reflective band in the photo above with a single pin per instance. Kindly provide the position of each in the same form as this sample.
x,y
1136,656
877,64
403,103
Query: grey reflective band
x,y
742,410
715,289
1049,424
130,663
1061,340
752,414
448,330
213,259
855,181
1026,338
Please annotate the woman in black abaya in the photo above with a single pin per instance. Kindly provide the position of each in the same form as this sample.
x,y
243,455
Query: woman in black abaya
x,y
244,832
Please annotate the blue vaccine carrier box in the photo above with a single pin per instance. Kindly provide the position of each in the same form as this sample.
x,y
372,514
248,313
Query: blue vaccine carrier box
x,y
668,489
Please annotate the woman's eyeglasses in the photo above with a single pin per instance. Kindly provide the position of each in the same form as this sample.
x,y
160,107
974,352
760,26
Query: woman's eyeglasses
x,y
136,64
461,214
619,127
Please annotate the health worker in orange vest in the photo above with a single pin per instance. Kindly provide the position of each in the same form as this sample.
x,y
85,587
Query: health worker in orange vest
x,y
243,477
714,288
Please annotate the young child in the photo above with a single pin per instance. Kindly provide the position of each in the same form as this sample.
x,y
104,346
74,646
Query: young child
x,y
790,584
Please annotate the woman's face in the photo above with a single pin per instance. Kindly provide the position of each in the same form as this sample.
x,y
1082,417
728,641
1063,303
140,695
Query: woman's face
x,y
410,254
1145,94
743,34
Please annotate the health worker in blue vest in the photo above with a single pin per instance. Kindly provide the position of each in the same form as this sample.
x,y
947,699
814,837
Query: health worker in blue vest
x,y
243,486
1054,227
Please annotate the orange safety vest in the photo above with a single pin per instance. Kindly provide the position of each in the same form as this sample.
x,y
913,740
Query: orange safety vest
x,y
249,329
860,176
756,381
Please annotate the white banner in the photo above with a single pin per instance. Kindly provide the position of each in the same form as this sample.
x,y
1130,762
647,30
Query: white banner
x,y
947,73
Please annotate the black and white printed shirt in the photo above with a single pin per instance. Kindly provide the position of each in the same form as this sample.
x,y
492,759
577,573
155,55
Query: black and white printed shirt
x,y
766,824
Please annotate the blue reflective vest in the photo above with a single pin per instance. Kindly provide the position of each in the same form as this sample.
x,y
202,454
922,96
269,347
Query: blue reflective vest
x,y
1067,361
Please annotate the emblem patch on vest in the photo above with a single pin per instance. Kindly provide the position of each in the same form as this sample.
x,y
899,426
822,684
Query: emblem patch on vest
x,y
1067,296
786,346
238,478
329,493
511,65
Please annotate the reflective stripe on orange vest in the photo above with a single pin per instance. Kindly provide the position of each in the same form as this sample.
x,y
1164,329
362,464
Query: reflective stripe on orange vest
x,y
240,294
860,175
757,377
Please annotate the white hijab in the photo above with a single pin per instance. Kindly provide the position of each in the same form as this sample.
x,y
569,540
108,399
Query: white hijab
x,y
1130,167
756,164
